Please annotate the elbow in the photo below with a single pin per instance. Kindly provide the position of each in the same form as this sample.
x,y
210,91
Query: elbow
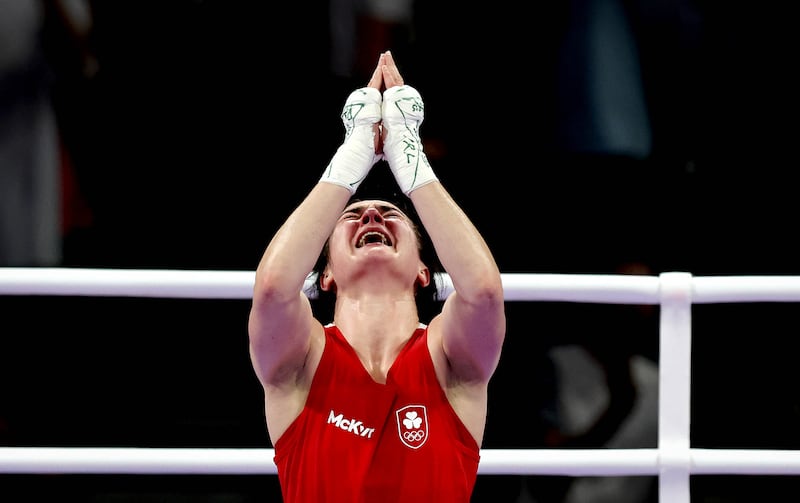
x,y
271,287
486,291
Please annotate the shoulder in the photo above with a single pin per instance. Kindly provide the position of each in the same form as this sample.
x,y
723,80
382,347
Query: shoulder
x,y
465,351
432,334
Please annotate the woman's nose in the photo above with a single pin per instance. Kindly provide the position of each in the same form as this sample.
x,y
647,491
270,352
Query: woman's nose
x,y
371,215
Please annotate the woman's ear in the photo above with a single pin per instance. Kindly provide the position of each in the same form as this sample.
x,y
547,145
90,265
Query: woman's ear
x,y
326,282
423,276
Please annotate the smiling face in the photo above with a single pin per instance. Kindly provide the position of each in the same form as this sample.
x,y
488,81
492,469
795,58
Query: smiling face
x,y
370,237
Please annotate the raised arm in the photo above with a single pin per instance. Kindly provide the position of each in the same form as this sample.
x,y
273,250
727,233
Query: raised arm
x,y
473,317
472,323
281,323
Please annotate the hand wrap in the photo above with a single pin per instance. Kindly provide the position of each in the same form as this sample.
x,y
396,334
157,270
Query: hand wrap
x,y
356,156
403,112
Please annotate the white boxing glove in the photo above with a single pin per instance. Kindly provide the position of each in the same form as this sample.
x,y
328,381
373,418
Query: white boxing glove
x,y
403,112
356,156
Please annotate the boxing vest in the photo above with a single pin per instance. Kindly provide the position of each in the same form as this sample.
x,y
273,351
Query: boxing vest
x,y
359,441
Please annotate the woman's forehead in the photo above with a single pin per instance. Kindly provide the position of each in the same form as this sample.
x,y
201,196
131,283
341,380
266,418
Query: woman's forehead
x,y
378,203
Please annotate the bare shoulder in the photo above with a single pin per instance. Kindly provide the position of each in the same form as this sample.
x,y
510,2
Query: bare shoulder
x,y
466,394
285,397
466,349
436,350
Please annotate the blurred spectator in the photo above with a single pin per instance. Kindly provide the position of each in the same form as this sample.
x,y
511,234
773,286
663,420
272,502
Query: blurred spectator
x,y
601,94
29,160
34,166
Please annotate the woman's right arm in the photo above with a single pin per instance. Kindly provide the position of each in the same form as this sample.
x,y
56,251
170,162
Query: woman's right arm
x,y
281,323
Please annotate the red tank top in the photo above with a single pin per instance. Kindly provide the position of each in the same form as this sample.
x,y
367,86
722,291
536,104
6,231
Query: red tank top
x,y
359,441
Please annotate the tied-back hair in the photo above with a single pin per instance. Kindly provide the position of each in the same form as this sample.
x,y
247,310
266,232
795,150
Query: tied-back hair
x,y
380,185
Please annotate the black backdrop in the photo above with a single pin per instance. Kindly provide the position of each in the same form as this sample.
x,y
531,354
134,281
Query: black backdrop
x,y
209,121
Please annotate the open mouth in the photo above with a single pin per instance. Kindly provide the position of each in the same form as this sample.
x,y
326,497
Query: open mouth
x,y
373,237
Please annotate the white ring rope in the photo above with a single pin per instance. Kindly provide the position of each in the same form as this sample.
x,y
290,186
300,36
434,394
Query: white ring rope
x,y
673,461
188,284
229,461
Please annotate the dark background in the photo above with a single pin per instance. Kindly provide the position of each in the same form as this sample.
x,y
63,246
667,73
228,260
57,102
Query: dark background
x,y
208,121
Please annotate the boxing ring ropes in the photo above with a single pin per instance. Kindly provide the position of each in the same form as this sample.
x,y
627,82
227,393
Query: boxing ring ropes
x,y
673,461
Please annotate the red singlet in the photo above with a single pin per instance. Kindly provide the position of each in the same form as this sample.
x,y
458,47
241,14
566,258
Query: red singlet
x,y
358,441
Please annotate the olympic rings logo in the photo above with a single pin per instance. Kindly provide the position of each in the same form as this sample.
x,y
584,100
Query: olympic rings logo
x,y
414,436
412,425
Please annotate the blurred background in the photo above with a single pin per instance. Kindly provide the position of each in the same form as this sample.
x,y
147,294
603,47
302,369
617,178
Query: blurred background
x,y
584,136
